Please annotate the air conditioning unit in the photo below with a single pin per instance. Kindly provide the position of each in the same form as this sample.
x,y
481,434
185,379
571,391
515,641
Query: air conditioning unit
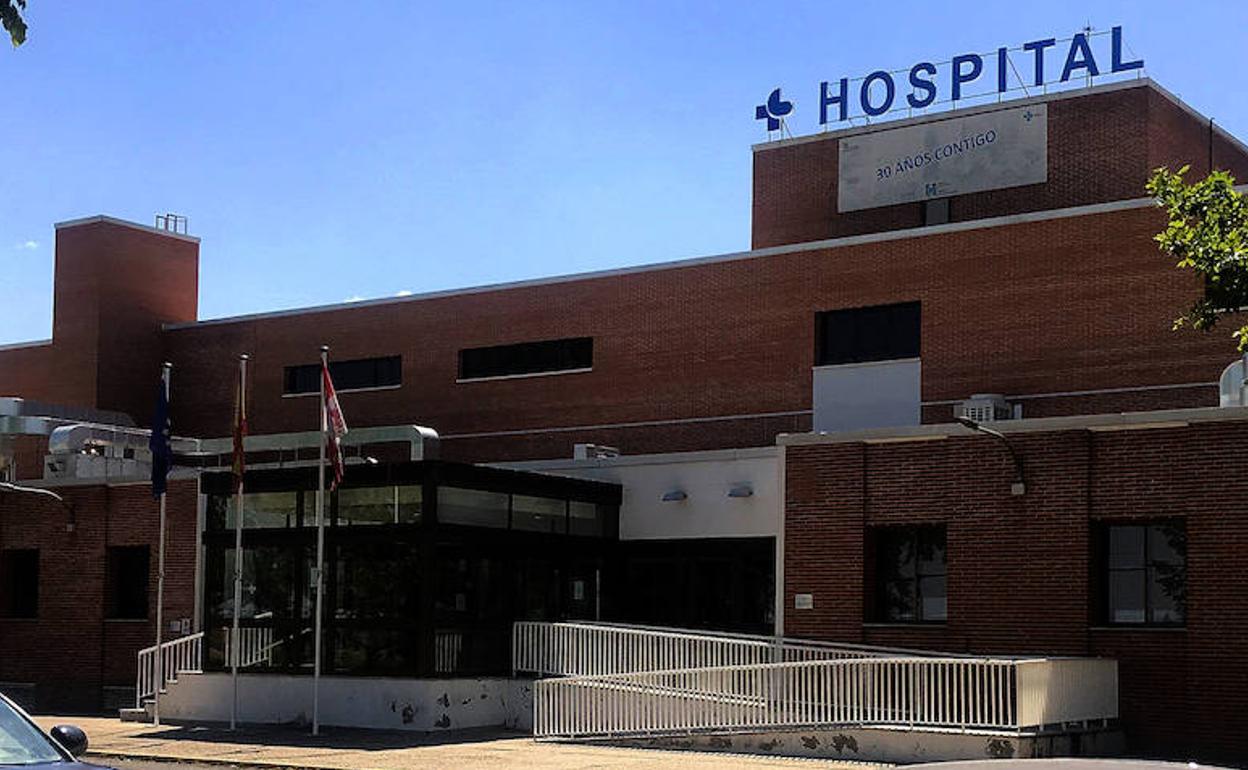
x,y
593,452
988,407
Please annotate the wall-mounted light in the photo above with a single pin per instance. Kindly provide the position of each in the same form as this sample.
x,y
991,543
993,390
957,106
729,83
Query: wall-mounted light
x,y
1019,486
741,490
675,496
70,524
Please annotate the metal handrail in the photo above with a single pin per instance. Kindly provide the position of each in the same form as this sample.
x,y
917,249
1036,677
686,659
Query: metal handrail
x,y
931,692
184,654
766,638
586,649
615,680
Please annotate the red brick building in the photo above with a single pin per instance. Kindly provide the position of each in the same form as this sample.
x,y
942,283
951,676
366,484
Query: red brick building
x,y
1051,294
1026,572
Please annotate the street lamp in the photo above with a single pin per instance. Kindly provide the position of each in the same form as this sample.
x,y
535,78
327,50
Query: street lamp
x,y
1019,486
6,486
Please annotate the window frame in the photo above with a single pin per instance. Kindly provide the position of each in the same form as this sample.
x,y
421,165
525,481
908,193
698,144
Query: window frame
x,y
916,535
1103,612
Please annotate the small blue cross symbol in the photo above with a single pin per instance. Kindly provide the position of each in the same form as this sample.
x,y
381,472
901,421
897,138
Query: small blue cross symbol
x,y
773,110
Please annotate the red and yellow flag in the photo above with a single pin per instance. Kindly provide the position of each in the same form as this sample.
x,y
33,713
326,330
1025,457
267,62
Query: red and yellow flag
x,y
336,427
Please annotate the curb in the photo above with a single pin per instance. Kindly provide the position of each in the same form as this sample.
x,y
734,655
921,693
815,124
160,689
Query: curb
x,y
277,765
92,754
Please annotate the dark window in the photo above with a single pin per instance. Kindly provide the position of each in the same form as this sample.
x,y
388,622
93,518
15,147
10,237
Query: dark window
x,y
127,574
1144,573
347,375
526,358
880,333
1227,294
910,574
19,583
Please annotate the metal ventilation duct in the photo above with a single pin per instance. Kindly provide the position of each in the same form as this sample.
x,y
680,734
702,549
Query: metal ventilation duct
x,y
21,407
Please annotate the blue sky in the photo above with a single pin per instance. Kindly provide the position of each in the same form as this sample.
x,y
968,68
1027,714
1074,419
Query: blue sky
x,y
325,151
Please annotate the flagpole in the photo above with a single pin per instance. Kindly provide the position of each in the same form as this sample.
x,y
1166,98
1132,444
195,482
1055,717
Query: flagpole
x,y
238,545
320,553
160,567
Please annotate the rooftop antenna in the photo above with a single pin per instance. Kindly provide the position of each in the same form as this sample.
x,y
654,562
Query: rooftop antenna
x,y
172,223
1088,29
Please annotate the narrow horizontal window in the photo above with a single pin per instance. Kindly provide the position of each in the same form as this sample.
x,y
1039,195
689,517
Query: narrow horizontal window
x,y
473,507
261,510
386,372
526,358
539,514
861,335
379,505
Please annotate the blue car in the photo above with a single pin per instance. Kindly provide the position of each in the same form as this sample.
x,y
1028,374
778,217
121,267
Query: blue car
x,y
23,744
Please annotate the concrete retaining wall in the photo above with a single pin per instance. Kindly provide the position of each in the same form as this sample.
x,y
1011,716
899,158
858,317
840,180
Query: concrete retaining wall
x,y
896,746
402,704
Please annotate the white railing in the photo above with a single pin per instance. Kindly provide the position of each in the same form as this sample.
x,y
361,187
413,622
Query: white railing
x,y
179,655
448,647
951,693
255,643
255,646
591,649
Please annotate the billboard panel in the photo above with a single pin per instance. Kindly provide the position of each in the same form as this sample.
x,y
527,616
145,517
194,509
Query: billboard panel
x,y
985,151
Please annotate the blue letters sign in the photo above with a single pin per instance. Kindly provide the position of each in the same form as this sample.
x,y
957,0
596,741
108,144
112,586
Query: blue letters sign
x,y
925,84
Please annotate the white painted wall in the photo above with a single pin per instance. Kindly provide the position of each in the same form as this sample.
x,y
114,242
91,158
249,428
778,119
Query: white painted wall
x,y
398,704
880,394
705,477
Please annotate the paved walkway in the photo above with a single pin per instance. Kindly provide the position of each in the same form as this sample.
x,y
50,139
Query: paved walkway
x,y
346,749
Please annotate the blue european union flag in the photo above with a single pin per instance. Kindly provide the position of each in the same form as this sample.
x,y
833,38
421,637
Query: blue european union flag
x,y
159,443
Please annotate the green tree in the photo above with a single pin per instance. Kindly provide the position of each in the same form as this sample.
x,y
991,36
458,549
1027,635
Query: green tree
x,y
1207,233
11,19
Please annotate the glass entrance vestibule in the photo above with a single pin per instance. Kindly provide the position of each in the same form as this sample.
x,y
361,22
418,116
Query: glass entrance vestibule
x,y
428,564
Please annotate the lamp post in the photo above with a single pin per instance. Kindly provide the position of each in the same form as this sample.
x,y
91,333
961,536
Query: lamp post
x,y
1019,486
6,486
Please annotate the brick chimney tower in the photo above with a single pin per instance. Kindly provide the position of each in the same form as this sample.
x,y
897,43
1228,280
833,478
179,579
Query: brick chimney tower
x,y
116,283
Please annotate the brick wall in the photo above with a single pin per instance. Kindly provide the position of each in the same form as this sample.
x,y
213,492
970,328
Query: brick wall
x,y
1019,566
1054,306
115,285
1102,145
25,370
71,651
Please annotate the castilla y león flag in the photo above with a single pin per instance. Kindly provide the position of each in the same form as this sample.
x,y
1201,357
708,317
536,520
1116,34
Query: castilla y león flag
x,y
336,427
